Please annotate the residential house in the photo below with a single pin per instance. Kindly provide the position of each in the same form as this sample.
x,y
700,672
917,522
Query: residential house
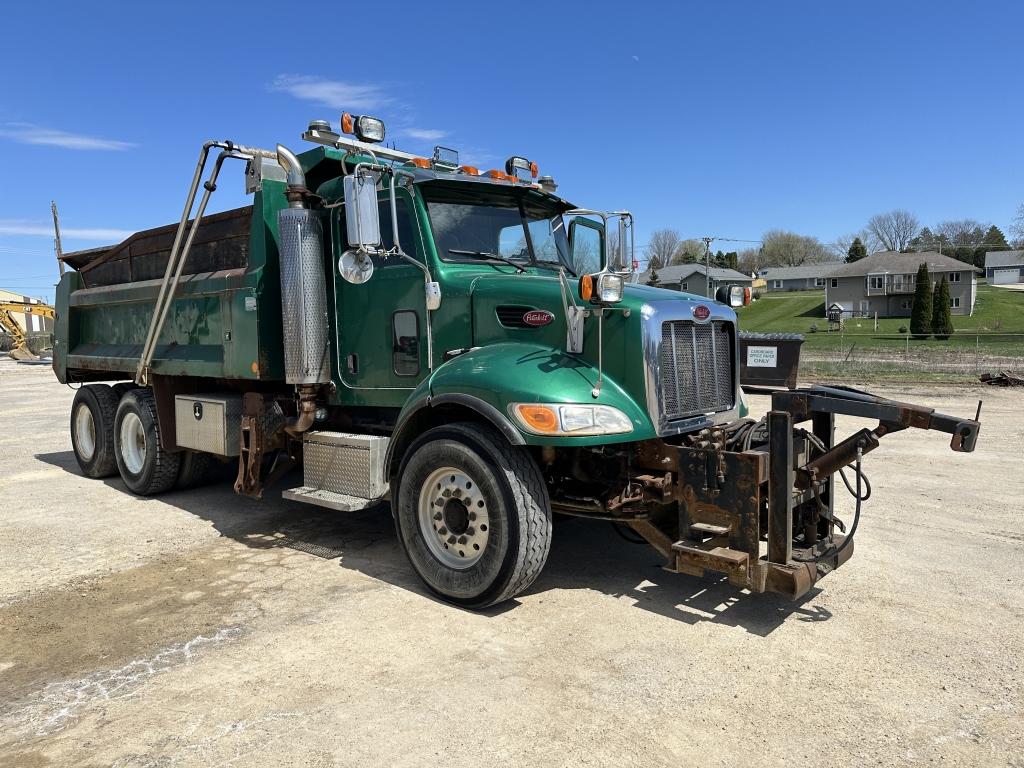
x,y
1004,267
885,283
809,277
690,278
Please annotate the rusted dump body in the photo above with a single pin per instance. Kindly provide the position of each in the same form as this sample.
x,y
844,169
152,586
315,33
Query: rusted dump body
x,y
224,322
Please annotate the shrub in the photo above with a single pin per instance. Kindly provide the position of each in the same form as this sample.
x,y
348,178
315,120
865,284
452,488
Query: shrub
x,y
903,329
921,314
813,328
942,317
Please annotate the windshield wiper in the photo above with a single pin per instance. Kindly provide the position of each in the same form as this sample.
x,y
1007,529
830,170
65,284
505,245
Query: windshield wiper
x,y
553,265
486,256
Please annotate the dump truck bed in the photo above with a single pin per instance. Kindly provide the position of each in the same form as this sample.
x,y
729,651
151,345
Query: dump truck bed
x,y
224,322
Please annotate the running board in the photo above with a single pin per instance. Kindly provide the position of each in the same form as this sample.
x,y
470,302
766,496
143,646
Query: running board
x,y
329,499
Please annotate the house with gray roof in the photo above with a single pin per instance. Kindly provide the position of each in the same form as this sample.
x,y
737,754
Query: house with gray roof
x,y
885,282
808,277
1004,267
690,278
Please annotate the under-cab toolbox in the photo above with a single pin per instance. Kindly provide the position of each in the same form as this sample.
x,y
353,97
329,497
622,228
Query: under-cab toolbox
x,y
341,471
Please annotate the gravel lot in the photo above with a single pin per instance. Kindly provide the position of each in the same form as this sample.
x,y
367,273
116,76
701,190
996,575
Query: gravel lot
x,y
203,629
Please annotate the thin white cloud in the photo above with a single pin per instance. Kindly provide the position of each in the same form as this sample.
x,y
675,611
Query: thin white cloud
x,y
335,94
26,133
32,229
425,134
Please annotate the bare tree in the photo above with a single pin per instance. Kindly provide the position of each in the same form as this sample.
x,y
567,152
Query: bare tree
x,y
1017,228
893,230
750,260
788,249
662,247
840,247
961,232
688,251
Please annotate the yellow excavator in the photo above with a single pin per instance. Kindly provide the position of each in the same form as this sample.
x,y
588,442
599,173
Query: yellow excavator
x,y
10,325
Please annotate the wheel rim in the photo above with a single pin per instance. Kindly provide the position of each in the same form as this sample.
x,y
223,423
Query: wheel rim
x,y
453,518
133,443
85,432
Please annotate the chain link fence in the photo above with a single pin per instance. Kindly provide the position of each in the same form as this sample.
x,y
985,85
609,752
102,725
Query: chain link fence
x,y
965,354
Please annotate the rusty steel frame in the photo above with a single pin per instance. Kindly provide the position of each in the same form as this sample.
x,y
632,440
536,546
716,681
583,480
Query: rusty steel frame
x,y
729,502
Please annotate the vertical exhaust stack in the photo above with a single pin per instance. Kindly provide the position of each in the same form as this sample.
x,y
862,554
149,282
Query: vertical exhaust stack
x,y
303,288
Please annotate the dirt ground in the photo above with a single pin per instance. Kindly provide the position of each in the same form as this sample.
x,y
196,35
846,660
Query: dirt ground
x,y
201,629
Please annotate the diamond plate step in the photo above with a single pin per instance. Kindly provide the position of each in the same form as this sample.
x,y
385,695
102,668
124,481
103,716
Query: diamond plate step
x,y
329,499
713,558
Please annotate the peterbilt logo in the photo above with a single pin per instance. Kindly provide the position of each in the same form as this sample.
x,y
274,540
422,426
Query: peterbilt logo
x,y
538,317
701,313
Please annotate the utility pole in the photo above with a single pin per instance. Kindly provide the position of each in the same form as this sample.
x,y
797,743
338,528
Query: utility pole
x,y
57,249
707,265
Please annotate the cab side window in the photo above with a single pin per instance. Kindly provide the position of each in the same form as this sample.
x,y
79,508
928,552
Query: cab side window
x,y
408,235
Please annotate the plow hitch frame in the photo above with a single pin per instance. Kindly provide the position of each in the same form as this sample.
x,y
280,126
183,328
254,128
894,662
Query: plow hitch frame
x,y
761,512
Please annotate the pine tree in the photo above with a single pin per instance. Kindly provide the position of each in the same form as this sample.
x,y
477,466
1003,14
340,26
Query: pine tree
x,y
942,317
652,279
857,251
921,314
994,240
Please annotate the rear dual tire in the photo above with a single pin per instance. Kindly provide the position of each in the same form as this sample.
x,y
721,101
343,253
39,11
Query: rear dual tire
x,y
145,466
92,430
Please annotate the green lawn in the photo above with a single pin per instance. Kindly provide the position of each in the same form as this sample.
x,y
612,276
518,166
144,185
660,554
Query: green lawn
x,y
998,313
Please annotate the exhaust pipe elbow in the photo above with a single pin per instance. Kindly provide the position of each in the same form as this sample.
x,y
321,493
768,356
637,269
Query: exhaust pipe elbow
x,y
287,160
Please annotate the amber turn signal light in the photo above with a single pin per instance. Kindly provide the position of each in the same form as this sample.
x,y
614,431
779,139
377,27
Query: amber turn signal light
x,y
586,287
540,418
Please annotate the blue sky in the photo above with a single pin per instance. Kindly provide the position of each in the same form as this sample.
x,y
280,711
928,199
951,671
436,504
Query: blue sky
x,y
724,118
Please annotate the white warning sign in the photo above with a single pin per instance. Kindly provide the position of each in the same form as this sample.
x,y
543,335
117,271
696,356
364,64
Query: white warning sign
x,y
762,357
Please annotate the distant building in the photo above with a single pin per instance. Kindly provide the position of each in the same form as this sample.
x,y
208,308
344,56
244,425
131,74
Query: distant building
x,y
809,277
885,283
1004,267
689,278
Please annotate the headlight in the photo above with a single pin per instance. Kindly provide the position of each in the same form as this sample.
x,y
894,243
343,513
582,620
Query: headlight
x,y
609,288
550,419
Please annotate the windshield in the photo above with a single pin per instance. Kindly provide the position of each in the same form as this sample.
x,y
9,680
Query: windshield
x,y
472,225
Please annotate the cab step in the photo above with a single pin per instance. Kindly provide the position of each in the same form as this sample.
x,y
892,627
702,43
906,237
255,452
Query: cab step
x,y
330,499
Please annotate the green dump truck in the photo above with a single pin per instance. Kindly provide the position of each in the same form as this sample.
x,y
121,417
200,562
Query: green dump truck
x,y
468,346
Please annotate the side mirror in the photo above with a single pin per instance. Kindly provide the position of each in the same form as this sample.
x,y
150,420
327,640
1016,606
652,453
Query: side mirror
x,y
587,244
623,261
362,219
733,295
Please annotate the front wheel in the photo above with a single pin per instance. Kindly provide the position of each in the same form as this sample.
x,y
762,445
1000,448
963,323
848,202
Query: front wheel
x,y
472,514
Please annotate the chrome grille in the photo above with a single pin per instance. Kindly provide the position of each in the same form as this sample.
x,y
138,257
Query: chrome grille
x,y
695,368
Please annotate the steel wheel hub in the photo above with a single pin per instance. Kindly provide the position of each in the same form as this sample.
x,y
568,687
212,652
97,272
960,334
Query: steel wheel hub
x,y
453,518
133,443
85,432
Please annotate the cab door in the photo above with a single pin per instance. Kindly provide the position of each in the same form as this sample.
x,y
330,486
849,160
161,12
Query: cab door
x,y
380,334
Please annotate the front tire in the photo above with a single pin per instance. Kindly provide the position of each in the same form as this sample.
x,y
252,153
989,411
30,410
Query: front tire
x,y
145,466
472,514
92,430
